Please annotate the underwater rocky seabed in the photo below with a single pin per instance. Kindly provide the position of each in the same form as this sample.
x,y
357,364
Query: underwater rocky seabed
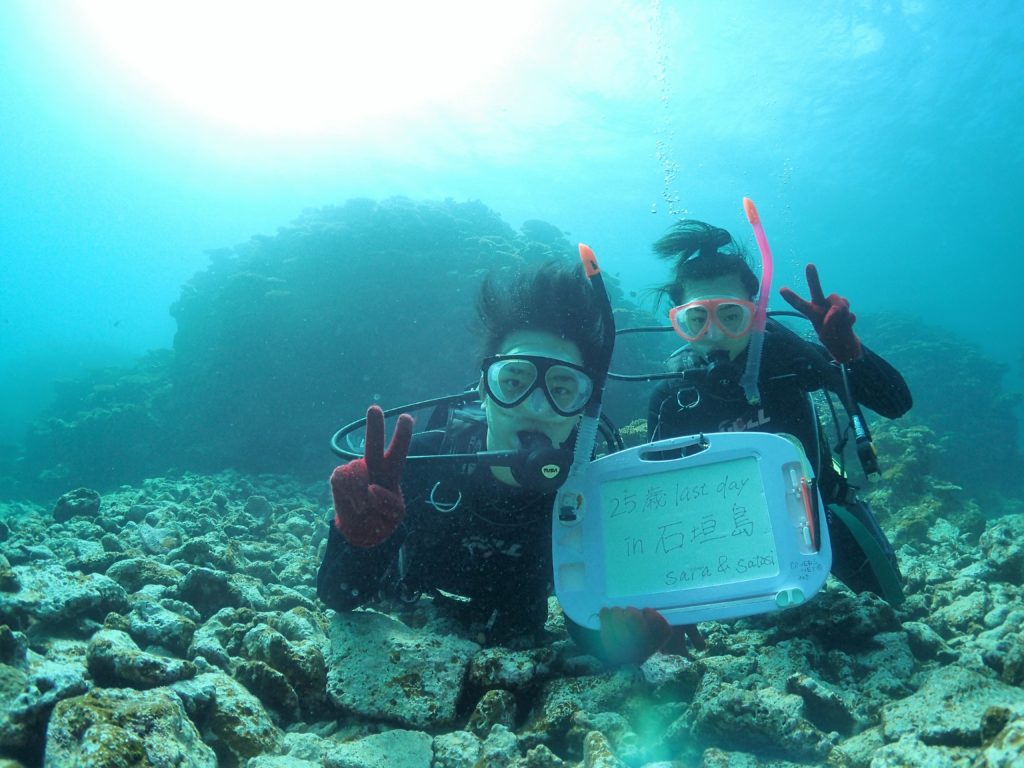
x,y
175,624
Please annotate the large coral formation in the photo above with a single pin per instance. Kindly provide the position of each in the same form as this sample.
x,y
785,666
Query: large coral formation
x,y
282,339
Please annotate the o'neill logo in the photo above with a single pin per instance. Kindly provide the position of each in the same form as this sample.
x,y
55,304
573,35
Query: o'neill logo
x,y
742,425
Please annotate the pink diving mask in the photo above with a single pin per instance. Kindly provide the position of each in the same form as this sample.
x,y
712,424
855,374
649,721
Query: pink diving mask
x,y
697,319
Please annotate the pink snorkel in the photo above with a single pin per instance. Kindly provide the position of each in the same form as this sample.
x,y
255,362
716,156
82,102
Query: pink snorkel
x,y
750,373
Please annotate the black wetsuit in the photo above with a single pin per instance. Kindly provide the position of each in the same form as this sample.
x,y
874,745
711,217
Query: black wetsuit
x,y
494,547
791,368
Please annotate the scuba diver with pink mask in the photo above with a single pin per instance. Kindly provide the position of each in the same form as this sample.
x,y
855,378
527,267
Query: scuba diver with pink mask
x,y
712,294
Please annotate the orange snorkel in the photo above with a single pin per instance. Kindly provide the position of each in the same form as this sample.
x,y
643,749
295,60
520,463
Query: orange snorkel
x,y
570,499
587,435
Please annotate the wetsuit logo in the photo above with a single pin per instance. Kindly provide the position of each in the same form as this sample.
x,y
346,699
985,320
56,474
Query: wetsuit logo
x,y
742,425
481,547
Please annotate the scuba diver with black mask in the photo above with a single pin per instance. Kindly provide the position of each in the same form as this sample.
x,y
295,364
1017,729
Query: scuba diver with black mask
x,y
712,293
476,529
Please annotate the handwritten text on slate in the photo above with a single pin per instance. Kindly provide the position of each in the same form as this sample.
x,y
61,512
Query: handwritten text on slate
x,y
694,527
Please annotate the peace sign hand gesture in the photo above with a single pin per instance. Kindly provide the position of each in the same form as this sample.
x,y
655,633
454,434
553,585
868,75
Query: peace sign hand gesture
x,y
368,503
831,317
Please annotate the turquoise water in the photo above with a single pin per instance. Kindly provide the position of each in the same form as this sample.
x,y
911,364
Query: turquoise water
x,y
880,140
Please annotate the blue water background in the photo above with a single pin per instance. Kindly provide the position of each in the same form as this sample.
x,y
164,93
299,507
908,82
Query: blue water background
x,y
880,140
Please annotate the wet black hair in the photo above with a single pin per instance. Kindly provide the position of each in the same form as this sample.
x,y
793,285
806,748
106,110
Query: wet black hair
x,y
702,252
556,297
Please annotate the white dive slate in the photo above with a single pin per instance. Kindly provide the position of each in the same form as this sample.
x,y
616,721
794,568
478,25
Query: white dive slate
x,y
700,527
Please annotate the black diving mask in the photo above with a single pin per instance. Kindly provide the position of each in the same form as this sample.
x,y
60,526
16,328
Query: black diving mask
x,y
511,380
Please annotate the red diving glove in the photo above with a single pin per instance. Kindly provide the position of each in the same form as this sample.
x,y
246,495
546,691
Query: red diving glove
x,y
368,504
632,635
831,318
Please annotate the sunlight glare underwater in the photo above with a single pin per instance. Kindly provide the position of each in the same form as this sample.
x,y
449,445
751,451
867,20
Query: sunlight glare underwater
x,y
308,70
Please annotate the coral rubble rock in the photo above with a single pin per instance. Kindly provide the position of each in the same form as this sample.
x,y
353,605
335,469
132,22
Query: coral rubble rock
x,y
116,661
53,595
458,749
236,719
380,668
948,708
121,727
390,749
81,501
